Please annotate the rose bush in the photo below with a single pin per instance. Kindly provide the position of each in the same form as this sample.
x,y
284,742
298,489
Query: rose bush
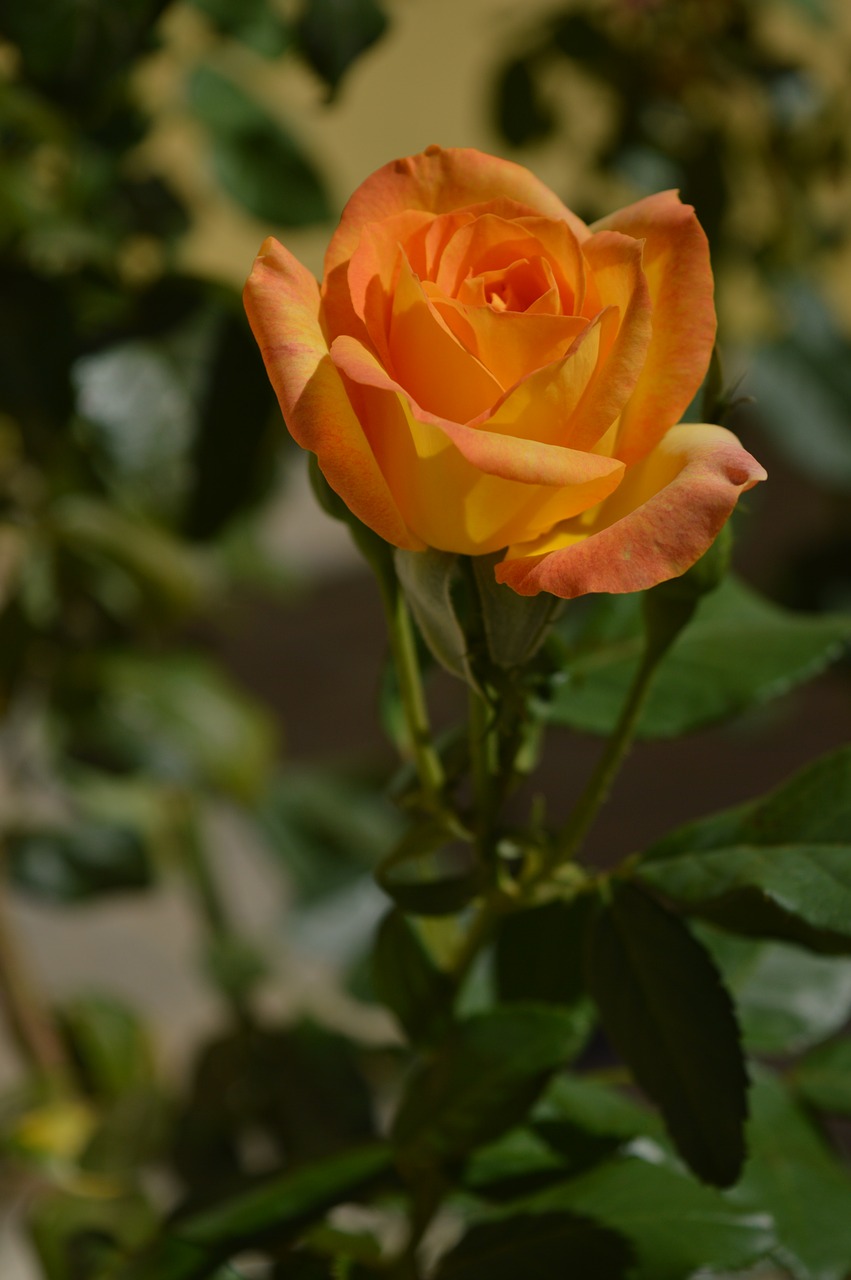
x,y
482,370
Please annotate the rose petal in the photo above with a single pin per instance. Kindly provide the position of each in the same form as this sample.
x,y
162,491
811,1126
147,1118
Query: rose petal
x,y
439,181
428,360
282,303
615,263
676,264
509,344
460,488
356,297
664,516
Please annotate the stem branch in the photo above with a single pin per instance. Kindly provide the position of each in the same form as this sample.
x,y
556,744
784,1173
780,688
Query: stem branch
x,y
600,783
404,650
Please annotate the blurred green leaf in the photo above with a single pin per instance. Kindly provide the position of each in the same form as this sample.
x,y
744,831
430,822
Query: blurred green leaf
x,y
518,1162
36,351
255,22
799,892
433,870
178,717
523,116
76,1234
786,998
813,807
792,1175
547,1246
161,567
581,1104
671,1020
257,162
332,34
675,1225
73,51
739,651
407,980
774,866
803,389
232,469
275,1210
823,1078
538,953
300,1086
110,1045
72,864
328,828
481,1082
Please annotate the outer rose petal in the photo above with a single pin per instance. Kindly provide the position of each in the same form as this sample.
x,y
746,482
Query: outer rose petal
x,y
676,264
440,181
282,302
460,488
666,513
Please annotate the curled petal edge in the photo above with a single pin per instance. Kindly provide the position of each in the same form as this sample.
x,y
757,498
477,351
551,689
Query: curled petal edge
x,y
282,298
665,515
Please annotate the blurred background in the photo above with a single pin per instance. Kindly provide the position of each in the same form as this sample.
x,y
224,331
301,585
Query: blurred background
x,y
191,656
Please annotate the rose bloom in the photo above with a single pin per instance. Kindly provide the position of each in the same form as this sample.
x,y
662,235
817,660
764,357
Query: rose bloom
x,y
480,370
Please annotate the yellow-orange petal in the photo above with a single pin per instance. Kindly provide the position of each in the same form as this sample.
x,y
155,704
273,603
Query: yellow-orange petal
x,y
460,488
282,303
679,275
615,265
428,360
439,181
666,513
510,344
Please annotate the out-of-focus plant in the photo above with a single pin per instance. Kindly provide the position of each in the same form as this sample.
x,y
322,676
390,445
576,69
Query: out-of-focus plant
x,y
137,440
744,107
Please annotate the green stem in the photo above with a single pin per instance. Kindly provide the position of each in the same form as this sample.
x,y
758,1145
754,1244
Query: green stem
x,y
404,650
26,1012
574,831
482,764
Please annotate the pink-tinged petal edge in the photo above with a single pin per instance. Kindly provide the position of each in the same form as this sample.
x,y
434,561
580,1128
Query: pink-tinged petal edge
x,y
440,180
282,303
678,271
662,536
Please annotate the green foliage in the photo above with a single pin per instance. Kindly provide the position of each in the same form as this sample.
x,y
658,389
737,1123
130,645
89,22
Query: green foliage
x,y
256,160
674,1224
793,1176
277,1209
663,1005
73,863
543,1246
332,34
433,870
481,1082
739,652
786,998
774,867
407,980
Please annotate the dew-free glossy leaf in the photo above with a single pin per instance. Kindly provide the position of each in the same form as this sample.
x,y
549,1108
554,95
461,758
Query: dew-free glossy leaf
x,y
481,1082
664,1007
799,892
786,998
793,1175
674,1224
739,651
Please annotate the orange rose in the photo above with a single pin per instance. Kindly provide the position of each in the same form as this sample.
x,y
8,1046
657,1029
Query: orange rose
x,y
481,370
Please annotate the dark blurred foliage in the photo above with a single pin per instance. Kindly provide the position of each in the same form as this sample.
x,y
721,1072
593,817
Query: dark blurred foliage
x,y
139,438
744,107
